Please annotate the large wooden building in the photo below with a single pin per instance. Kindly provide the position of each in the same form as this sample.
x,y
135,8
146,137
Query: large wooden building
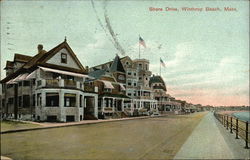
x,y
48,87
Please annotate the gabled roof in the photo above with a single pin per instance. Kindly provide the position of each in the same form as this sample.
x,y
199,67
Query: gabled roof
x,y
21,58
97,73
157,79
117,66
9,65
41,58
109,62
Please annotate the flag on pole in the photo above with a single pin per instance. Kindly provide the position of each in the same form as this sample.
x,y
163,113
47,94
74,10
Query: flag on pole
x,y
162,63
142,42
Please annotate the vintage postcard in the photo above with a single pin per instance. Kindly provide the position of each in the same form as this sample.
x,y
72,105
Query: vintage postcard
x,y
124,79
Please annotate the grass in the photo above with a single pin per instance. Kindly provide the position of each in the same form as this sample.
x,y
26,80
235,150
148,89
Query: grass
x,y
12,125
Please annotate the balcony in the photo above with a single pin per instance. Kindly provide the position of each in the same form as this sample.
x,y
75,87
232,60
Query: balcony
x,y
66,83
89,88
144,97
52,83
69,83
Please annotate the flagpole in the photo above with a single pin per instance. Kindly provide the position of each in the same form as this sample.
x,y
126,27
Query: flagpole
x,y
139,47
160,66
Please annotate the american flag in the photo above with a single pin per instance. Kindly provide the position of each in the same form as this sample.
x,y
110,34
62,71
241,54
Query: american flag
x,y
141,42
162,63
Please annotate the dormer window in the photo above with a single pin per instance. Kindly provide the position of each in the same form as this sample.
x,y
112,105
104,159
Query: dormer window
x,y
63,58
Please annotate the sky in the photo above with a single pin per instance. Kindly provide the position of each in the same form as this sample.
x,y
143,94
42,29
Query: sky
x,y
206,53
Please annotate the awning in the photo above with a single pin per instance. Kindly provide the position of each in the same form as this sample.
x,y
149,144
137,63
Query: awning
x,y
65,72
31,75
21,77
122,87
11,81
108,84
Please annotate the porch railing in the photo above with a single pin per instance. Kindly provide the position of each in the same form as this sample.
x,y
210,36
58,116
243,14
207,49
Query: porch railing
x,y
239,127
69,83
52,82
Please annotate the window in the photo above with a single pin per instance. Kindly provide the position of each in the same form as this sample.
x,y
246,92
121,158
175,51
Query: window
x,y
63,58
20,101
70,77
3,88
9,85
52,99
129,94
129,73
134,74
140,66
80,100
39,99
26,101
127,63
10,100
51,118
3,102
33,100
134,84
146,67
146,78
69,100
20,83
140,78
107,89
139,93
70,118
39,83
33,81
121,77
55,75
129,83
26,83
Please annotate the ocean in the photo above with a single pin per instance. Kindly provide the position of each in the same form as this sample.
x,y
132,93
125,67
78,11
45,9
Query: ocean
x,y
245,116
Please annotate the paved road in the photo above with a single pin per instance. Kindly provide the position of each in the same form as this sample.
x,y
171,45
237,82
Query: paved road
x,y
210,140
153,138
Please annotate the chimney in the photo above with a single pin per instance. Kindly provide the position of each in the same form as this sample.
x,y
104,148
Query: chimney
x,y
40,48
87,68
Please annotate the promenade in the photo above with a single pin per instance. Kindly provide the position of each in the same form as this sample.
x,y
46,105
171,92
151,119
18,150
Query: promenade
x,y
210,140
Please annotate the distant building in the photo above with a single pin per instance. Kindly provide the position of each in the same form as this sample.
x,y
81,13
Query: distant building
x,y
159,88
137,84
48,87
112,98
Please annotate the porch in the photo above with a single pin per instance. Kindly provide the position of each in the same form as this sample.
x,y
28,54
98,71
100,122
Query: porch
x,y
65,105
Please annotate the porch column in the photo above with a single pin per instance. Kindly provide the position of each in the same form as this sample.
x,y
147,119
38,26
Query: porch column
x,y
61,106
103,103
43,104
77,116
96,106
113,104
132,106
122,104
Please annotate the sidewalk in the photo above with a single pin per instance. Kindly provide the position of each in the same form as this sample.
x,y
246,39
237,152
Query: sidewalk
x,y
210,140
